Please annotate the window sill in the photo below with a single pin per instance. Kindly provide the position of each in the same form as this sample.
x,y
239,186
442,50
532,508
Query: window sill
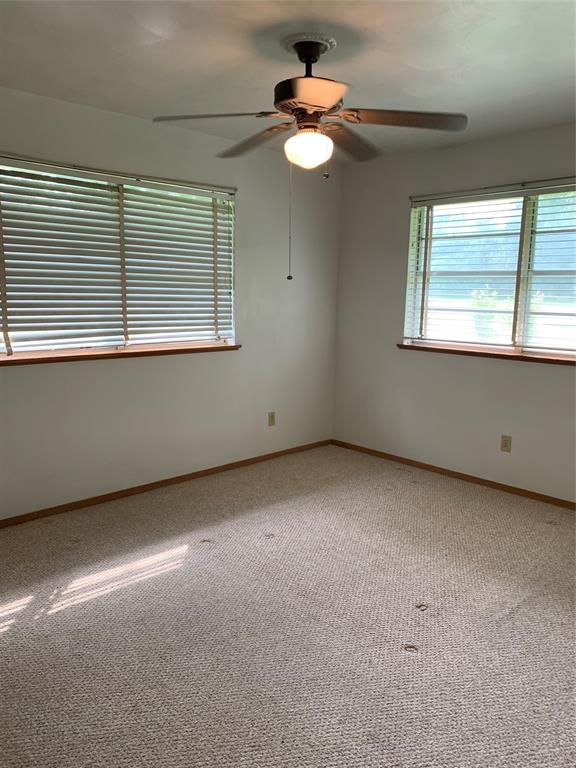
x,y
142,350
495,352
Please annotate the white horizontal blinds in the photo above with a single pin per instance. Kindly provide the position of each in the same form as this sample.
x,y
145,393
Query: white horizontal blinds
x,y
103,262
224,210
60,261
550,321
496,269
4,334
416,270
178,252
471,278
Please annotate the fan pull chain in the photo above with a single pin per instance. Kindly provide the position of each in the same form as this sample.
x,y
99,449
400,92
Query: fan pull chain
x,y
290,185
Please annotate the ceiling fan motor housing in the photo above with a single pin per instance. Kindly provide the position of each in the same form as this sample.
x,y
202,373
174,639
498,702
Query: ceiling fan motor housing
x,y
312,94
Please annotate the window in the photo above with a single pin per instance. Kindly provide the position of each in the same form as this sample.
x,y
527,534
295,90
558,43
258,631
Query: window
x,y
494,269
100,262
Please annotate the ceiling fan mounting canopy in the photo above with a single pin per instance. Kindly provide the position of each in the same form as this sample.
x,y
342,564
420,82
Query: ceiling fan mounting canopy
x,y
297,43
314,104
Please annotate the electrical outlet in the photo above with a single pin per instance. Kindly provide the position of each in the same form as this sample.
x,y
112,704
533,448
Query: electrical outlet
x,y
272,418
506,443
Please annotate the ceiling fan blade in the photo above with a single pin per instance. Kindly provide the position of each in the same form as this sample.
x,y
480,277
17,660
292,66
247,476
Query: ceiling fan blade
x,y
348,141
171,118
441,121
255,141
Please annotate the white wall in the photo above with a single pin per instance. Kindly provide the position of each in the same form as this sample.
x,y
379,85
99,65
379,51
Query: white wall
x,y
73,430
446,410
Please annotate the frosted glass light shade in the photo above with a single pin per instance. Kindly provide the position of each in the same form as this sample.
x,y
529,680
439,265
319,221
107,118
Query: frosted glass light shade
x,y
308,148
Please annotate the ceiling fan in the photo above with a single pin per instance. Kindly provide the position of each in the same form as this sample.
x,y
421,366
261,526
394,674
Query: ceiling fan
x,y
315,107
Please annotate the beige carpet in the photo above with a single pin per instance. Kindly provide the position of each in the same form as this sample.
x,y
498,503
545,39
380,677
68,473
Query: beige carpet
x,y
322,610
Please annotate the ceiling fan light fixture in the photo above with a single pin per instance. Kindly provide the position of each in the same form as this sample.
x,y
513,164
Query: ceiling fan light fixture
x,y
309,148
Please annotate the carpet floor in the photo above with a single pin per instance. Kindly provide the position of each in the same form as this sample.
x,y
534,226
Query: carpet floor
x,y
326,609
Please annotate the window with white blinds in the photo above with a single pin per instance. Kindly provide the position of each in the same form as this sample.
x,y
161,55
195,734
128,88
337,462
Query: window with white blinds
x,y
496,269
112,262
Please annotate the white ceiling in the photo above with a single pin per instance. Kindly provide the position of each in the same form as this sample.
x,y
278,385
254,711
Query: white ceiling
x,y
509,65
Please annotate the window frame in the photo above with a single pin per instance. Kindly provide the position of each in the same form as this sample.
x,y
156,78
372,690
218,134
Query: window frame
x,y
417,280
142,349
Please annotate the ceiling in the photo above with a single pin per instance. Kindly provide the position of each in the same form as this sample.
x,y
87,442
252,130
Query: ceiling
x,y
509,65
